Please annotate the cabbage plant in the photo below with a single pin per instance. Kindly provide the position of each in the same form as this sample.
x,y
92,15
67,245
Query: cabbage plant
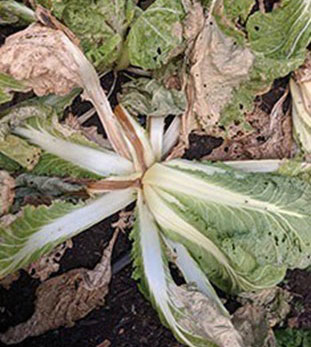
x,y
239,229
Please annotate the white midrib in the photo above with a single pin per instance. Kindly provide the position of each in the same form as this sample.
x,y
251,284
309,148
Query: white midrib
x,y
176,181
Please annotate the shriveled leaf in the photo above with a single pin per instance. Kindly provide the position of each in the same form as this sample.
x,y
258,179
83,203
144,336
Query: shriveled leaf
x,y
149,97
52,186
20,151
300,87
274,301
218,67
277,40
269,137
195,319
8,85
38,230
38,56
48,264
7,281
13,12
157,34
253,325
64,299
7,194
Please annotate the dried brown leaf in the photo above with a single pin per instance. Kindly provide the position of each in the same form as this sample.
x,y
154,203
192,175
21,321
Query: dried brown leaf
x,y
253,325
64,299
7,185
37,55
46,265
270,137
91,133
7,281
218,66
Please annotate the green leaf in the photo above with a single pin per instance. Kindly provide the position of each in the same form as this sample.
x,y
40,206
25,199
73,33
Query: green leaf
x,y
195,319
20,151
278,39
13,12
293,337
101,26
148,97
41,229
156,36
8,85
244,229
8,164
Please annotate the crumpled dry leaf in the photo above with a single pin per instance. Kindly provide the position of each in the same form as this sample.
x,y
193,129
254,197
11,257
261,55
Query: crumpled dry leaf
x,y
91,133
253,325
260,312
270,137
64,299
218,66
275,301
46,265
7,194
38,57
7,281
203,317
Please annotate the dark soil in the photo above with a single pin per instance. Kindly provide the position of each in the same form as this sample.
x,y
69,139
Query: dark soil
x,y
127,319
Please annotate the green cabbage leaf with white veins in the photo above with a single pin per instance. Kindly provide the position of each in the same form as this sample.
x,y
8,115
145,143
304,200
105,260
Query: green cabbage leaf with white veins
x,y
276,40
236,229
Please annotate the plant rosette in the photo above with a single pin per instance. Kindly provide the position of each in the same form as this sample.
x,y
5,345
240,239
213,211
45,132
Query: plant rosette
x,y
228,224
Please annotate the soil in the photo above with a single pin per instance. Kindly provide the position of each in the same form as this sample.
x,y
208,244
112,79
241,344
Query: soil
x,y
127,319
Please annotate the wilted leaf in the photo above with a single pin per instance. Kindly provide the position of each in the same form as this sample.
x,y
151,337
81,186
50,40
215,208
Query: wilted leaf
x,y
64,299
274,301
157,35
47,264
7,281
149,97
300,87
218,67
269,137
38,57
52,186
7,185
252,324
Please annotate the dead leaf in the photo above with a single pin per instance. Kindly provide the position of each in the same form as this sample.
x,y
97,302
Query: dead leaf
x,y
275,301
270,137
7,185
218,66
7,281
48,264
105,343
253,325
63,300
38,56
91,133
